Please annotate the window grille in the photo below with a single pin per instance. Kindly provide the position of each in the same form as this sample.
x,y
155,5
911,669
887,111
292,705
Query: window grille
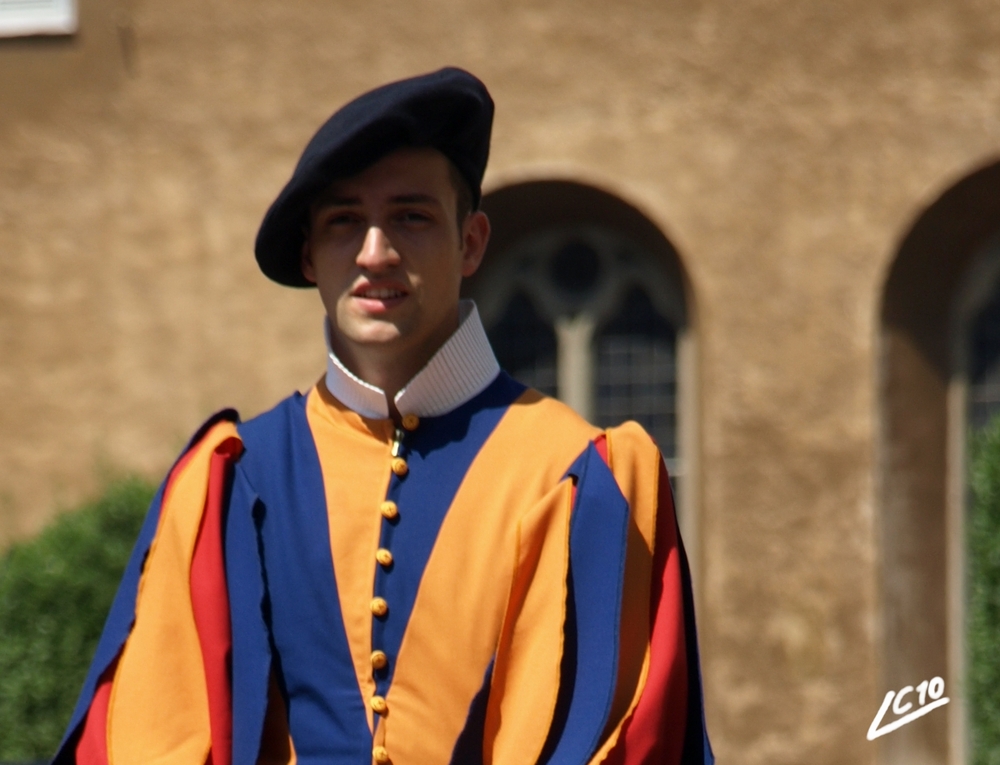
x,y
584,314
637,371
525,345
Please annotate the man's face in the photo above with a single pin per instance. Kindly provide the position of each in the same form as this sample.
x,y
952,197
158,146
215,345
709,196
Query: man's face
x,y
388,256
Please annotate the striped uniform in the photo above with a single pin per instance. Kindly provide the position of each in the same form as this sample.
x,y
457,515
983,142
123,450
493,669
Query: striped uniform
x,y
502,584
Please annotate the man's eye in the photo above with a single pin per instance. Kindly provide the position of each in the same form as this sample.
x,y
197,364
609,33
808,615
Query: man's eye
x,y
336,215
414,216
340,219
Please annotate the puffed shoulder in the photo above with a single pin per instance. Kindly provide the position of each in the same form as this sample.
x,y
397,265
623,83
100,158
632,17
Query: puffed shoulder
x,y
223,415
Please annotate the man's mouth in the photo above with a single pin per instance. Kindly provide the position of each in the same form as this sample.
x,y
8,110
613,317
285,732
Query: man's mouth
x,y
376,299
379,293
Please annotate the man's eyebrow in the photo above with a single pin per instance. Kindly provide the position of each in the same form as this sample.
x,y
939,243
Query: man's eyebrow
x,y
415,199
334,200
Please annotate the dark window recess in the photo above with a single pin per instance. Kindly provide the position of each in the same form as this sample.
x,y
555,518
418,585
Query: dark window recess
x,y
637,370
984,377
575,268
525,345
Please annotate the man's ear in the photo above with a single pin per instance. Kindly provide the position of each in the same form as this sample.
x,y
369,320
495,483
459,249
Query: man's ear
x,y
475,237
306,262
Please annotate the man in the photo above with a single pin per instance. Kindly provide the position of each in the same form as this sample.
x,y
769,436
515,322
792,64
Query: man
x,y
420,561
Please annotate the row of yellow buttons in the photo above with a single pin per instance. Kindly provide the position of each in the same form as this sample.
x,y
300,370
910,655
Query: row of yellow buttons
x,y
379,606
399,466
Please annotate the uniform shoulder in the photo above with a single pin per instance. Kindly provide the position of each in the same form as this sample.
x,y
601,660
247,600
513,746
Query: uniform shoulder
x,y
262,420
272,439
223,415
630,442
274,418
539,411
544,411
632,433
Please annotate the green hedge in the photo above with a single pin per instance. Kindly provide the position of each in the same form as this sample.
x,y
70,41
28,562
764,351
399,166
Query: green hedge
x,y
984,596
55,592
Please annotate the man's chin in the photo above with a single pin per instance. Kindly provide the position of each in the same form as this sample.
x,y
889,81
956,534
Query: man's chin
x,y
383,335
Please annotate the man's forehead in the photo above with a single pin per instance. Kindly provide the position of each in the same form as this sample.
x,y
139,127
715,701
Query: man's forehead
x,y
407,174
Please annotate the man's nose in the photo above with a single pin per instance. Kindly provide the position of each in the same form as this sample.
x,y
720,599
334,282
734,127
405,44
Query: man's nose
x,y
377,252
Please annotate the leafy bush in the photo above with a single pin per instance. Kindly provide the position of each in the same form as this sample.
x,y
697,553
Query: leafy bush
x,y
55,592
984,596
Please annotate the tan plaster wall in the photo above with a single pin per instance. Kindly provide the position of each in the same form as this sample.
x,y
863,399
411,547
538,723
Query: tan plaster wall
x,y
783,147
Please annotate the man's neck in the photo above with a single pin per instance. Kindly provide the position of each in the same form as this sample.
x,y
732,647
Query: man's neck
x,y
391,365
455,372
385,367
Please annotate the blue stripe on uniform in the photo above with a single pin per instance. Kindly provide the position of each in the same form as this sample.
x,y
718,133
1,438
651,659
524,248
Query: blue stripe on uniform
x,y
598,537
439,453
251,649
326,713
469,744
697,749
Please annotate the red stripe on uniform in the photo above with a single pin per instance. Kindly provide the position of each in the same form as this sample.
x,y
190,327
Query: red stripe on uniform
x,y
210,601
655,731
601,444
92,748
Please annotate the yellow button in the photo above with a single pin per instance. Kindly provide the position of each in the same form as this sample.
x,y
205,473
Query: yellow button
x,y
379,606
411,422
378,705
399,466
383,556
379,660
388,509
380,755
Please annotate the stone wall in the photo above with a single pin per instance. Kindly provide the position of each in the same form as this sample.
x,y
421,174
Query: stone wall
x,y
784,148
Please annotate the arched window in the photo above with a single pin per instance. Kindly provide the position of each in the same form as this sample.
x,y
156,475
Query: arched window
x,y
940,348
583,298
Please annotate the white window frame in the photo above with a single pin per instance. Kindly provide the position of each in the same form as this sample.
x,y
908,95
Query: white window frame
x,y
24,18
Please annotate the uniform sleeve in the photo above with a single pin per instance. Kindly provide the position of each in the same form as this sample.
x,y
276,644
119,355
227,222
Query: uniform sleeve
x,y
158,687
664,721
597,661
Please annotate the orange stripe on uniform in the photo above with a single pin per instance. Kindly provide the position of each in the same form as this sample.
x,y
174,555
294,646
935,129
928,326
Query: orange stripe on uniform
x,y
507,494
355,477
526,676
159,706
92,748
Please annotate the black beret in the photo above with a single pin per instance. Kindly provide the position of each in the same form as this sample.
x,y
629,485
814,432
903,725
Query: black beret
x,y
449,110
